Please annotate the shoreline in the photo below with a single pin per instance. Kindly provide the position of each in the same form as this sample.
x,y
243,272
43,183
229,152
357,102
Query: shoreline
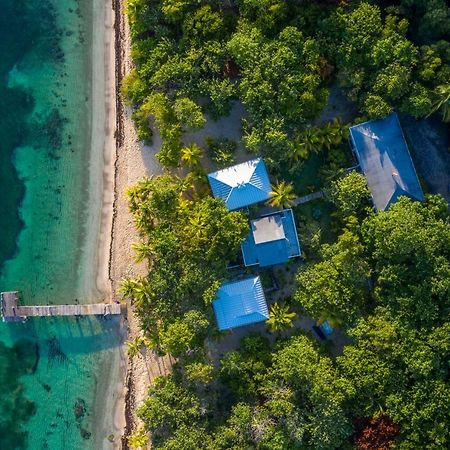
x,y
108,418
133,161
94,277
125,404
128,399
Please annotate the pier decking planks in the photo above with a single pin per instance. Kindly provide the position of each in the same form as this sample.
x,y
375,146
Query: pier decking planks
x,y
12,311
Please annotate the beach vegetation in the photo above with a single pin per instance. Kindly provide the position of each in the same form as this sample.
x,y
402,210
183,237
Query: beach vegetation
x,y
199,372
192,155
441,102
135,347
183,335
336,286
316,139
189,113
384,281
168,407
221,151
381,68
138,440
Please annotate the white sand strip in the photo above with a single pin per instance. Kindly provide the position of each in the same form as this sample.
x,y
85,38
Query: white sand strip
x,y
94,280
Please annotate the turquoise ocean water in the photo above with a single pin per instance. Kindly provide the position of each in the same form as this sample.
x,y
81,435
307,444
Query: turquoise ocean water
x,y
51,370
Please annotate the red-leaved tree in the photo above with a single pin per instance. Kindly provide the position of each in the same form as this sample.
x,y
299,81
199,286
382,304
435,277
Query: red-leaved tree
x,y
375,433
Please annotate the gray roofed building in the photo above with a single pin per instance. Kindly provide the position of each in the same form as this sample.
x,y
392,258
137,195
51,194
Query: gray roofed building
x,y
272,240
384,158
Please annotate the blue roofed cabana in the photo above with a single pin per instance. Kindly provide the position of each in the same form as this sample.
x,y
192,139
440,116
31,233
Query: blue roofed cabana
x,y
241,185
384,158
240,303
272,240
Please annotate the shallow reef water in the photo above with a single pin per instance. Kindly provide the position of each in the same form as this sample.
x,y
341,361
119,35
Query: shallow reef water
x,y
51,369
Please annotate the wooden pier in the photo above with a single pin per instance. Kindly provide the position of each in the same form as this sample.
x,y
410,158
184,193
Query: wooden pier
x,y
13,312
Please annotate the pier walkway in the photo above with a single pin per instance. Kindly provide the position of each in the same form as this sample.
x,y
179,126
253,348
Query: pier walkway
x,y
307,198
13,312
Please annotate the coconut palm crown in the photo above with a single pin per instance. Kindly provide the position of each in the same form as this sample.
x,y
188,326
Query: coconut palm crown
x,y
280,317
192,155
442,102
282,195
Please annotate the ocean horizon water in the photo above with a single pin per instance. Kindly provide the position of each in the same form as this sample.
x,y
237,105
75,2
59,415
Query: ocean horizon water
x,y
53,370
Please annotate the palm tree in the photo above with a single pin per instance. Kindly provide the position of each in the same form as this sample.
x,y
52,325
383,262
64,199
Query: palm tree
x,y
442,102
192,155
140,192
280,318
310,140
127,287
332,134
298,151
282,195
143,251
195,182
135,289
312,137
137,347
138,439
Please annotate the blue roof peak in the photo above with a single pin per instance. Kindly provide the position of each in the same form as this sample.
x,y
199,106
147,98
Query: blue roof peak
x,y
241,185
240,303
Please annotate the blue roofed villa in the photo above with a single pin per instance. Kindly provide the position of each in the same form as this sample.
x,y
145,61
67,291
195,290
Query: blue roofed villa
x,y
384,158
272,240
240,303
241,185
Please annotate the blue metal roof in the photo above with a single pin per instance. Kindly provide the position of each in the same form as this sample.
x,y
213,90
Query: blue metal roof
x,y
241,185
271,250
240,303
385,160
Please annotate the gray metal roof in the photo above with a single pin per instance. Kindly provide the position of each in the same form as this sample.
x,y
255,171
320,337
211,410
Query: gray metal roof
x,y
267,229
385,160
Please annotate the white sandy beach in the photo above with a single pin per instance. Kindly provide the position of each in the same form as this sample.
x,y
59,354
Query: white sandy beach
x,y
94,276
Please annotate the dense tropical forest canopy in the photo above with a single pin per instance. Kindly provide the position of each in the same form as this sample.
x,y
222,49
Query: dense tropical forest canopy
x,y
278,57
382,279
